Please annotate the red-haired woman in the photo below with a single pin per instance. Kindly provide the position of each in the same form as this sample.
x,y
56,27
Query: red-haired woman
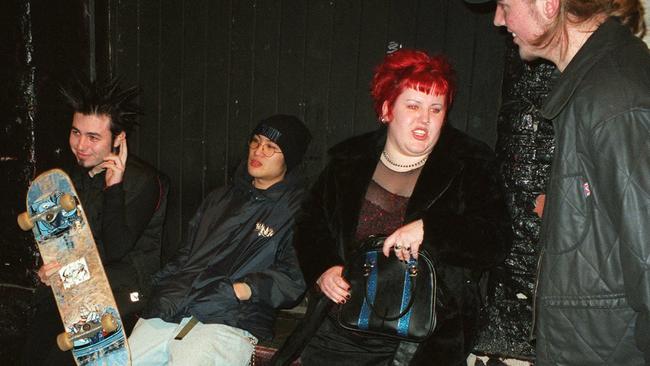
x,y
427,185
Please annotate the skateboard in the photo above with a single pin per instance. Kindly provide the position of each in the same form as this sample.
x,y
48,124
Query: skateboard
x,y
92,324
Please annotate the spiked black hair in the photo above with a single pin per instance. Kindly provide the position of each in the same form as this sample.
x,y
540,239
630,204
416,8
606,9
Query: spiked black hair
x,y
104,98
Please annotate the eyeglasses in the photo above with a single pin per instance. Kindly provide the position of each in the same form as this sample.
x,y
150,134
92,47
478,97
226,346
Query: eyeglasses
x,y
267,150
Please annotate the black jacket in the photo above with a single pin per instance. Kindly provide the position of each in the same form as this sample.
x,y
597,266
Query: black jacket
x,y
127,224
239,234
593,296
458,198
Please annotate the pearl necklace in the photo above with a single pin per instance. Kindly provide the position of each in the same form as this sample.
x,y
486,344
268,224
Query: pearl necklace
x,y
402,167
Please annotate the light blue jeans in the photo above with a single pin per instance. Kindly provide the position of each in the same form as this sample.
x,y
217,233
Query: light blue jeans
x,y
152,343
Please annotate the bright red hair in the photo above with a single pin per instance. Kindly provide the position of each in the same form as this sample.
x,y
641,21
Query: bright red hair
x,y
407,68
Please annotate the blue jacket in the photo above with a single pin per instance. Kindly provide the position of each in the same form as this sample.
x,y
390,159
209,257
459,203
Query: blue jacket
x,y
238,234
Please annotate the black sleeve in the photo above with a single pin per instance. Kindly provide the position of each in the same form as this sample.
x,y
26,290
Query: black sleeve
x,y
182,255
126,215
315,243
177,262
475,233
621,149
281,285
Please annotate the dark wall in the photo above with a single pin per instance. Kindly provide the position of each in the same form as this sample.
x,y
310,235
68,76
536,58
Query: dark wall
x,y
41,43
61,50
16,163
211,69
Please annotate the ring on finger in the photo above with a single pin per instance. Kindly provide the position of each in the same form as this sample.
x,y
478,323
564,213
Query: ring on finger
x,y
398,246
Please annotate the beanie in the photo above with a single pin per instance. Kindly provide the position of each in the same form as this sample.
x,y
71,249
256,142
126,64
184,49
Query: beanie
x,y
289,132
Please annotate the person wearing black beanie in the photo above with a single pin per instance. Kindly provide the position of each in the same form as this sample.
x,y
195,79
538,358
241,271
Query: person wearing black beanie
x,y
289,133
212,303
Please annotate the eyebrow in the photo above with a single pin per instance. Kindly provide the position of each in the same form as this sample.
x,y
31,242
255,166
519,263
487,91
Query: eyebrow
x,y
419,102
94,134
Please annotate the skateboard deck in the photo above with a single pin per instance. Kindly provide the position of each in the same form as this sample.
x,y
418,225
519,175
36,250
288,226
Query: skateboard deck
x,y
91,321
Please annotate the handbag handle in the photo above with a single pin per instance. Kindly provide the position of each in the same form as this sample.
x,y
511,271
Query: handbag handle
x,y
411,271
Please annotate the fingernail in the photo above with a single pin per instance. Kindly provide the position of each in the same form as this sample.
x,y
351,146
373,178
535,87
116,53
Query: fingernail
x,y
348,296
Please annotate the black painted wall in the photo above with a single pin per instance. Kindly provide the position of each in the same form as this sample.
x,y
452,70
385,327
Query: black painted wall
x,y
210,69
16,163
41,42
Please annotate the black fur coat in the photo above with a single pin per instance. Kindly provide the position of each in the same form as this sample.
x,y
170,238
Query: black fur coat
x,y
460,202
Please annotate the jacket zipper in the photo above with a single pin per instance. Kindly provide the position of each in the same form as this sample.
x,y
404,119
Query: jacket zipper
x,y
532,336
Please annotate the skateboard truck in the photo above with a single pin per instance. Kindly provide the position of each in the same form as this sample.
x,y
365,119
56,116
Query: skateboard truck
x,y
67,202
108,324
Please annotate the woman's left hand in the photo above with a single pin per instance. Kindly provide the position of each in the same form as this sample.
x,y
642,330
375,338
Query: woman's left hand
x,y
405,241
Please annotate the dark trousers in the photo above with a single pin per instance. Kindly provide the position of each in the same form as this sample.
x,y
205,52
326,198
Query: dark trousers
x,y
332,345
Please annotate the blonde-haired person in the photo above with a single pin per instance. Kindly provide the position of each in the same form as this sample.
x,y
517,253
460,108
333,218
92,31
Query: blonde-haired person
x,y
593,293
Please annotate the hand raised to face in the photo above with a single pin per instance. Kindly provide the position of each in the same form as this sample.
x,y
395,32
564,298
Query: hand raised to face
x,y
115,163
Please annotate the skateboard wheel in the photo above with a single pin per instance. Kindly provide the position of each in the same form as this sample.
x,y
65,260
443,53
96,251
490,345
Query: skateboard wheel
x,y
25,222
109,324
67,202
64,342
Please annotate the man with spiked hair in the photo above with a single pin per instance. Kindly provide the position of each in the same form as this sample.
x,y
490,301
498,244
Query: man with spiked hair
x,y
124,199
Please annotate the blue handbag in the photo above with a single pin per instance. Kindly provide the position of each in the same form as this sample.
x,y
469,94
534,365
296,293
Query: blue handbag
x,y
389,298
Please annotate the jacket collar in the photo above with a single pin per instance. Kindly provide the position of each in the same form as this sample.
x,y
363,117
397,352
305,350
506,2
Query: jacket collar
x,y
599,44
244,182
357,158
436,176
